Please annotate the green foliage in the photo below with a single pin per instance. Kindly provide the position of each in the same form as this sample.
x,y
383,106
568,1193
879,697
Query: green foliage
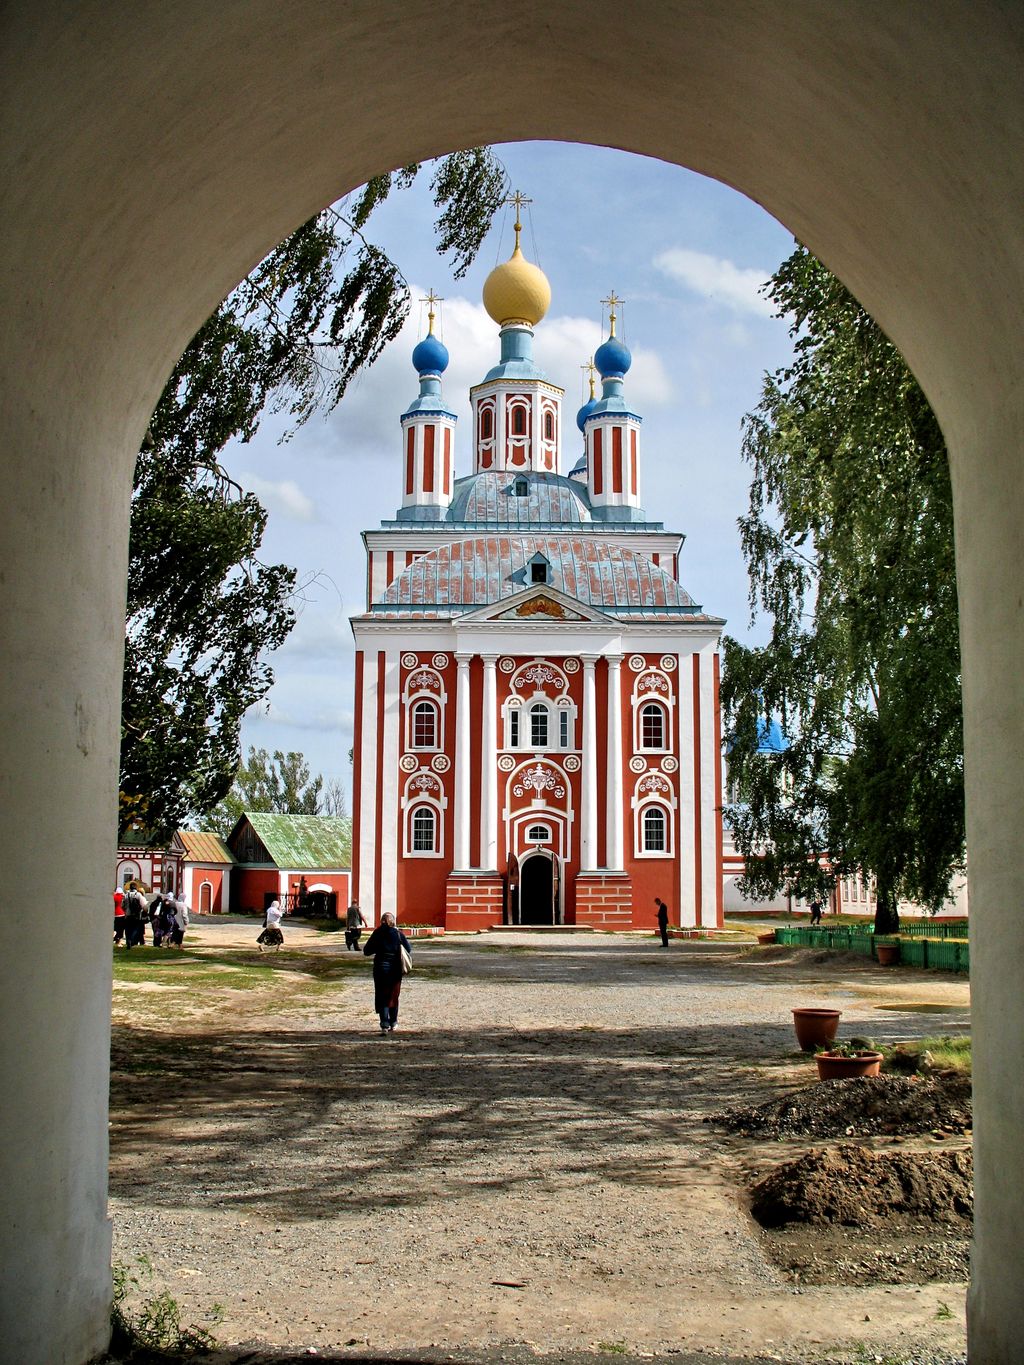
x,y
849,547
203,611
156,1324
281,783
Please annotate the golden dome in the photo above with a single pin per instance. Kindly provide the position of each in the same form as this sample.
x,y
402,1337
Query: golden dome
x,y
517,291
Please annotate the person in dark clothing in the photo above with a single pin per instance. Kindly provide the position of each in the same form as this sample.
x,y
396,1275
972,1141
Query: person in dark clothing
x,y
156,919
134,923
354,926
815,912
662,920
386,945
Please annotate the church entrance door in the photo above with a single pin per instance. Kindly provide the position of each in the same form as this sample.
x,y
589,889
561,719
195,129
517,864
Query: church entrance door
x,y
537,890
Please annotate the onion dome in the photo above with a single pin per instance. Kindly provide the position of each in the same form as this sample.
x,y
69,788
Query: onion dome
x,y
517,291
585,411
430,356
612,358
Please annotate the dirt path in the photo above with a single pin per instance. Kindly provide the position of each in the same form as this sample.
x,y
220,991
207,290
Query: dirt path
x,y
523,1162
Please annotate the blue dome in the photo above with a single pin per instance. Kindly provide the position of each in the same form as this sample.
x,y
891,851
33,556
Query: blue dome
x,y
585,411
430,356
612,359
770,739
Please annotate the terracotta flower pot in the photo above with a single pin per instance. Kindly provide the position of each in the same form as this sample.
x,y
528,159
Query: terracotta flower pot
x,y
888,954
838,1068
766,938
815,1027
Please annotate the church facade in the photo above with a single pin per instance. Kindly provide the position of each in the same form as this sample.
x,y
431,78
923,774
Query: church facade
x,y
537,733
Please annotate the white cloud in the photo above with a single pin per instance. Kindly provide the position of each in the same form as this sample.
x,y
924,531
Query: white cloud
x,y
717,279
283,496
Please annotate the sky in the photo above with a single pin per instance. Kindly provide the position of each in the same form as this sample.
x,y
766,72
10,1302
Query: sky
x,y
687,255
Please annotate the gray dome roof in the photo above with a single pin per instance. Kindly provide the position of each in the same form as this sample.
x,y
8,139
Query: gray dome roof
x,y
492,498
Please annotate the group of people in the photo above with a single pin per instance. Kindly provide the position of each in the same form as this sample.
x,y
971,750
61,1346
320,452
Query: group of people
x,y
166,914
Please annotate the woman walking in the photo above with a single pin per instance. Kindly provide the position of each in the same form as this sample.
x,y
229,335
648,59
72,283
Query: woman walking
x,y
386,945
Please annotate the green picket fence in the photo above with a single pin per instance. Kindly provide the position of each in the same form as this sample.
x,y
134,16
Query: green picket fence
x,y
931,928
946,954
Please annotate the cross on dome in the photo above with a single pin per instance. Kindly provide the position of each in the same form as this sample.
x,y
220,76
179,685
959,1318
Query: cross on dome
x,y
612,302
430,300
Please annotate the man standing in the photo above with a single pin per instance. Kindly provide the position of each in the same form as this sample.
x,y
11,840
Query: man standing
x,y
354,926
662,920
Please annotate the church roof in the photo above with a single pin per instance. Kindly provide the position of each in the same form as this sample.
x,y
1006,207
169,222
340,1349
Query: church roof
x,y
469,574
491,497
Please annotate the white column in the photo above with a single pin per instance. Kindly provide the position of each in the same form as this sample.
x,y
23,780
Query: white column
x,y
588,810
368,793
686,850
489,769
462,722
388,784
614,859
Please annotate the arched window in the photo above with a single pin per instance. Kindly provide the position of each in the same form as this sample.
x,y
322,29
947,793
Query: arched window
x,y
424,830
424,725
654,830
538,834
486,424
549,426
539,726
519,421
652,726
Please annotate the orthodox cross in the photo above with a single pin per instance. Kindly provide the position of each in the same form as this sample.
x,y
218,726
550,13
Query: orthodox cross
x,y
612,301
590,370
430,300
518,200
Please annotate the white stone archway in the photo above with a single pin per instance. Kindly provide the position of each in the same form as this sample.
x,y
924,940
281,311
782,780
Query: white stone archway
x,y
151,154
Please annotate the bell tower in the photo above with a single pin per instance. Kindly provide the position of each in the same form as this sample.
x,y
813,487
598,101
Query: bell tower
x,y
428,433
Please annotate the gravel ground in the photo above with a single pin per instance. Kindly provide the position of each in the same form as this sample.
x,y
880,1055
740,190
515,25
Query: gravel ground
x,y
522,1168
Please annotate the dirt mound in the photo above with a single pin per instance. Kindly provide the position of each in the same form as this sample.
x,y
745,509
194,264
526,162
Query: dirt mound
x,y
860,1188
859,1107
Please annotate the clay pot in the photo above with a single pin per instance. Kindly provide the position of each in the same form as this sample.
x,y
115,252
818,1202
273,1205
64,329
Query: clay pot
x,y
766,938
888,954
815,1027
838,1068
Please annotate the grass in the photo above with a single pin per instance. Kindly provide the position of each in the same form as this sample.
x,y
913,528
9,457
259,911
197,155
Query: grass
x,y
155,1325
948,1053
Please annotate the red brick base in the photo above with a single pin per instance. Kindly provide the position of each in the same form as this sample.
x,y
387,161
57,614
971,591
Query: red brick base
x,y
604,900
473,900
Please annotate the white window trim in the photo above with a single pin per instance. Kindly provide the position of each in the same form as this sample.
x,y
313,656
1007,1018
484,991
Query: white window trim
x,y
665,699
414,804
666,726
438,744
669,809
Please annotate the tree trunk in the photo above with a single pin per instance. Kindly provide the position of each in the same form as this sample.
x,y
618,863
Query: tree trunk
x,y
887,917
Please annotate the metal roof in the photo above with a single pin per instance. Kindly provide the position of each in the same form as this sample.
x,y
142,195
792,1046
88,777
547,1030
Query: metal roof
x,y
466,575
202,846
310,842
491,497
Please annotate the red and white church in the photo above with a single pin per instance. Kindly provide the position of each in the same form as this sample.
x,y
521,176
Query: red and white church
x,y
537,732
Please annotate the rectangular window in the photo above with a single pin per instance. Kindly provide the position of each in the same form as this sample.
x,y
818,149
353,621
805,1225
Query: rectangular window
x,y
563,729
598,470
513,729
616,459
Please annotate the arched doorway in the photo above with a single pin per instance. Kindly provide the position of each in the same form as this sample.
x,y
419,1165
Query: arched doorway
x,y
537,890
911,196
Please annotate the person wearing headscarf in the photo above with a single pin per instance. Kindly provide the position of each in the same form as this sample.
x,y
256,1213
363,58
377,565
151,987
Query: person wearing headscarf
x,y
386,945
272,936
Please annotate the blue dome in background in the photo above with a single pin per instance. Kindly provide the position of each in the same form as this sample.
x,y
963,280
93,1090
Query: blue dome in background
x,y
770,739
612,359
585,411
430,356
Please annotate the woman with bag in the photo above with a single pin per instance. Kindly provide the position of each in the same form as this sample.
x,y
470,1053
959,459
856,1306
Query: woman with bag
x,y
392,959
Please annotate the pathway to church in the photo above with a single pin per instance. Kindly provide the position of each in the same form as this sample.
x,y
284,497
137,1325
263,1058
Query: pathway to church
x,y
523,1165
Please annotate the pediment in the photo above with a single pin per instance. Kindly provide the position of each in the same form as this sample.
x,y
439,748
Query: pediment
x,y
543,604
